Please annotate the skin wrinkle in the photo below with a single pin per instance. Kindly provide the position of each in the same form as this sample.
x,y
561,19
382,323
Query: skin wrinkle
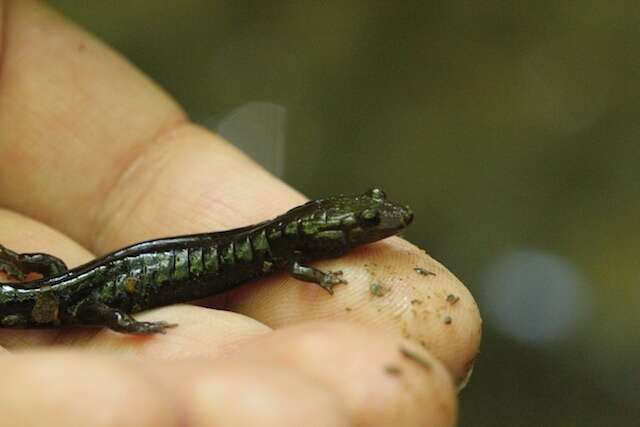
x,y
217,200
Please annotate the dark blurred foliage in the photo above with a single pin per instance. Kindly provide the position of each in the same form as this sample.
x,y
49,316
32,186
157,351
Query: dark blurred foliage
x,y
510,127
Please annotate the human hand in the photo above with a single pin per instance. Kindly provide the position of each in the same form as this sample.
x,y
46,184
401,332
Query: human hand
x,y
96,157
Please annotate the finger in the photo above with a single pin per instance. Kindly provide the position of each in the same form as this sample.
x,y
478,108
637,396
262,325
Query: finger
x,y
337,373
365,377
384,291
379,379
235,393
125,392
77,390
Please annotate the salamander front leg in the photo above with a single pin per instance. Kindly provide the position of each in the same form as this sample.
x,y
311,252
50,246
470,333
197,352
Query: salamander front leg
x,y
19,265
325,279
98,314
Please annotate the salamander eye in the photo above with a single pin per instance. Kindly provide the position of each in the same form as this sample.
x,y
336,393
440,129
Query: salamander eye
x,y
377,194
371,216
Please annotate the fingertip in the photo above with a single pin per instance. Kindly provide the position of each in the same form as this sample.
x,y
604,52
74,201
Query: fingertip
x,y
434,310
447,322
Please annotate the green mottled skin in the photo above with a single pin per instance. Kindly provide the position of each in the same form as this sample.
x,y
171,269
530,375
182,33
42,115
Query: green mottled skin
x,y
178,269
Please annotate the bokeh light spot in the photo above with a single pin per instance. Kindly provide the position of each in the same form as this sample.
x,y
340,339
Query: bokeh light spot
x,y
534,297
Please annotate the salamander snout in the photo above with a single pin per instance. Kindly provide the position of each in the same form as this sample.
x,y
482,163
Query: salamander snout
x,y
394,217
407,217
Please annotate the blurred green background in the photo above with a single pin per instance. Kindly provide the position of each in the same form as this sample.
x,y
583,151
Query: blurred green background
x,y
510,127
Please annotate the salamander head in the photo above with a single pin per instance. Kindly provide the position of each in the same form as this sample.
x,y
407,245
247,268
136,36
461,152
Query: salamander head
x,y
329,227
375,217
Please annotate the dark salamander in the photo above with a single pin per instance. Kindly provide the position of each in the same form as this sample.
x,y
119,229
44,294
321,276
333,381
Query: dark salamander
x,y
104,292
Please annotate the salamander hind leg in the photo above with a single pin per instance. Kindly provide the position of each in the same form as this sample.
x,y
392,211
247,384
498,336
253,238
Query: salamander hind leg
x,y
98,314
325,279
19,265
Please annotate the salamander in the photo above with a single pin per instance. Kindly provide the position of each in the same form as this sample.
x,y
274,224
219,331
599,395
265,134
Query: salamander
x,y
106,292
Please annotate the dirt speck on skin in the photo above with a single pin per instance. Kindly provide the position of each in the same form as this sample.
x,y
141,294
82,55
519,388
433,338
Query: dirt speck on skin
x,y
423,271
369,268
411,355
405,331
393,370
452,299
347,309
448,320
416,301
377,289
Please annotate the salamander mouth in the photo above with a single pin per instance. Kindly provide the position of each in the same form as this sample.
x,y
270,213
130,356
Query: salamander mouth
x,y
407,217
396,218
